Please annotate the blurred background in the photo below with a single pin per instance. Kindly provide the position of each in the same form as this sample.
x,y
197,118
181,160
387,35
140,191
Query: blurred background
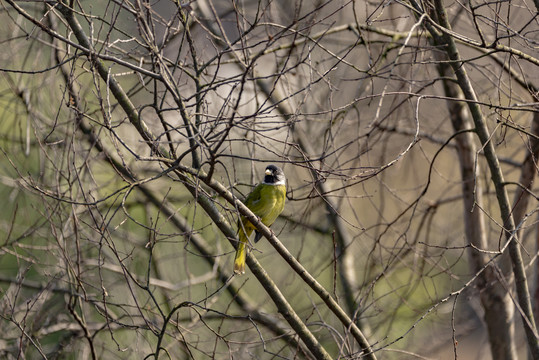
x,y
114,114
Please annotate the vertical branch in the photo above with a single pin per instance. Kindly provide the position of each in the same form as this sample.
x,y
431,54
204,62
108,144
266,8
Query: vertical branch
x,y
527,176
497,179
494,297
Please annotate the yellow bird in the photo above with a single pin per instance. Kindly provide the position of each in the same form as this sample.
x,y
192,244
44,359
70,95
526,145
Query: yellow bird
x,y
265,201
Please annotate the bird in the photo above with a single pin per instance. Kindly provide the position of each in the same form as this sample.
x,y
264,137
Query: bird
x,y
265,201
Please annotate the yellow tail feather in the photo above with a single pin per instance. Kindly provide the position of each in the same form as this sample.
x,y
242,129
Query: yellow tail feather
x,y
239,260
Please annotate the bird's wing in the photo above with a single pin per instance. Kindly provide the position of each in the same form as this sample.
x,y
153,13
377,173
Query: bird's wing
x,y
253,200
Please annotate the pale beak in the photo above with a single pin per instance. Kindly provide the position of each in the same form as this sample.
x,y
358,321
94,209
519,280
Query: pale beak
x,y
268,172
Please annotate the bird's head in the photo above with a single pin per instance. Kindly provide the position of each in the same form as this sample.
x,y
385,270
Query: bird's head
x,y
274,176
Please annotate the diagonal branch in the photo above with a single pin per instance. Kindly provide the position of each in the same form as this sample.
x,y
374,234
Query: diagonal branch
x,y
289,258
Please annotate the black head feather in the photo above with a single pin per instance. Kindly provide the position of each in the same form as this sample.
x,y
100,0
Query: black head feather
x,y
274,175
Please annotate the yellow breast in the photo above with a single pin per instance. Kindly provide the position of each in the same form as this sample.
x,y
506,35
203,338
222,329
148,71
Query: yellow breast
x,y
274,196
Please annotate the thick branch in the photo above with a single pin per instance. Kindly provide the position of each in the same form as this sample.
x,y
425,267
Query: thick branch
x,y
497,179
496,302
